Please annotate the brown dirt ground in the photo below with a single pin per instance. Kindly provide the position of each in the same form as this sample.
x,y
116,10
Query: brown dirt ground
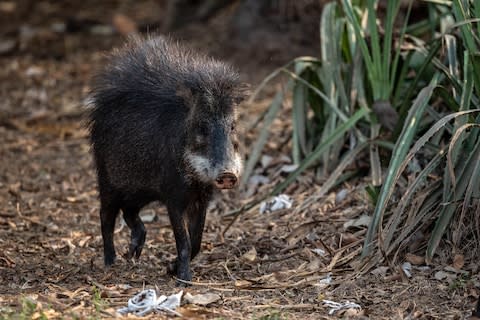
x,y
265,265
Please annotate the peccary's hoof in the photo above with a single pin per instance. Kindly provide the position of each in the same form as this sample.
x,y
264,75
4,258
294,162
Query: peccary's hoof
x,y
134,251
185,275
109,260
137,241
181,284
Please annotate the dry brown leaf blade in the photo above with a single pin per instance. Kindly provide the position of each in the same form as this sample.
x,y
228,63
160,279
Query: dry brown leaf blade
x,y
414,259
250,255
458,261
203,299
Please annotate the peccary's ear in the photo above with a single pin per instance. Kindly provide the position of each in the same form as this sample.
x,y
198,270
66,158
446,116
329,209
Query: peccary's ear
x,y
188,96
241,93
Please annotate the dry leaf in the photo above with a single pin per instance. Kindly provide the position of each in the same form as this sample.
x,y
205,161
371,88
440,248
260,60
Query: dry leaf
x,y
201,299
442,275
414,259
242,283
288,168
348,238
362,221
341,195
300,233
314,264
380,271
265,161
250,255
71,199
84,241
354,313
458,261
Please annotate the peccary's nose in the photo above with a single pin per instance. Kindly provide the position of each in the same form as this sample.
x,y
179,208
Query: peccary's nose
x,y
226,180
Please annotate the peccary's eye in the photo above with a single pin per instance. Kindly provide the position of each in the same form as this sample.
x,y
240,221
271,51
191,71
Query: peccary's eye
x,y
232,127
235,146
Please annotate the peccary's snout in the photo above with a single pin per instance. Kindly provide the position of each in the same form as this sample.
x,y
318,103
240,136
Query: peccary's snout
x,y
226,180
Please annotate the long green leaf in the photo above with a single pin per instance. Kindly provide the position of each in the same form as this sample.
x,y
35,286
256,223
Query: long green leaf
x,y
359,36
453,65
392,13
298,121
461,12
377,72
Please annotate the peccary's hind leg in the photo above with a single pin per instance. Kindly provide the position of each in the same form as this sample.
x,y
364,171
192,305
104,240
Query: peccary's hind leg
x,y
109,207
138,233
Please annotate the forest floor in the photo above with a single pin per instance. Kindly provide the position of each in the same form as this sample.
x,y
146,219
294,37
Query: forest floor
x,y
277,265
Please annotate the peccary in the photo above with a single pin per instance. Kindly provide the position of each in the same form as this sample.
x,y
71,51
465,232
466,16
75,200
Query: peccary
x,y
163,127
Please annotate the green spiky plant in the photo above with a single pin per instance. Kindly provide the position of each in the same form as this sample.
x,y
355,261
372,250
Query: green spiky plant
x,y
454,153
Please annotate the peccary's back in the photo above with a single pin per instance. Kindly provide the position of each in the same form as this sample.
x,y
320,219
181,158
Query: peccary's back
x,y
146,74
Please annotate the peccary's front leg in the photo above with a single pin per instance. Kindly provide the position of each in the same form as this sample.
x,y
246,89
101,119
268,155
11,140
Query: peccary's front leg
x,y
196,221
178,220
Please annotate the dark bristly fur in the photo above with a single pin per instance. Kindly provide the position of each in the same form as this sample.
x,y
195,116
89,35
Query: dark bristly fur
x,y
153,103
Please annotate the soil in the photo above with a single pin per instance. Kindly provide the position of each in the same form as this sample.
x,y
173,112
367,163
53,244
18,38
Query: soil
x,y
275,265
